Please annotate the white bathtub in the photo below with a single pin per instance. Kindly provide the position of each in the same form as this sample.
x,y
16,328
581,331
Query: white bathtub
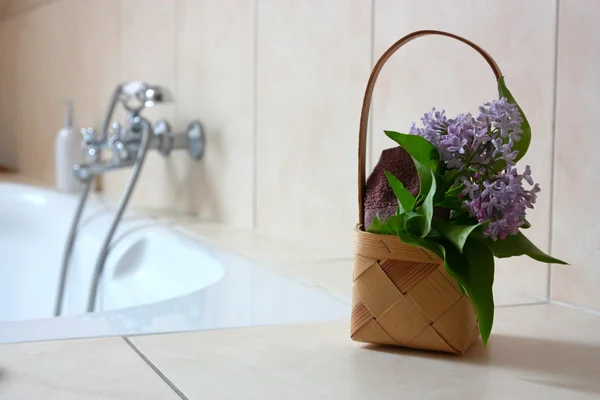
x,y
156,278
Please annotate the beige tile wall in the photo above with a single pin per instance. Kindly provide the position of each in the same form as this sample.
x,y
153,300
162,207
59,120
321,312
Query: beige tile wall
x,y
10,8
61,50
203,52
9,156
146,52
313,59
215,83
576,227
278,87
441,72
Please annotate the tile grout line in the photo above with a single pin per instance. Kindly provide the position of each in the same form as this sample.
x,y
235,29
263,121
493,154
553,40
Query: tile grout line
x,y
369,165
553,152
574,307
536,303
175,59
255,118
155,369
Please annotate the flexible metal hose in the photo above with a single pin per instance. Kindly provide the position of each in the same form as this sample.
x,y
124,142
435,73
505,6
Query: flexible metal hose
x,y
87,185
99,267
69,247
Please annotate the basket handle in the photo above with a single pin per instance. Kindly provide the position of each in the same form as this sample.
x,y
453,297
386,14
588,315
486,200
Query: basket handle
x,y
364,115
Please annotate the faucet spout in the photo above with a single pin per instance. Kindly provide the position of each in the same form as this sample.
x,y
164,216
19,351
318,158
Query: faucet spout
x,y
87,172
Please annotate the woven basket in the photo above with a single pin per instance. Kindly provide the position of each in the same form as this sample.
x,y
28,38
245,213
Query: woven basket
x,y
401,294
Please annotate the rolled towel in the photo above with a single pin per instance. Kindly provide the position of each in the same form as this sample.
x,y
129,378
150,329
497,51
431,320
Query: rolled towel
x,y
379,196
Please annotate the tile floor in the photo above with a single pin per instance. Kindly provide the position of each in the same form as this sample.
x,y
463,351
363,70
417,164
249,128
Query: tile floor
x,y
536,352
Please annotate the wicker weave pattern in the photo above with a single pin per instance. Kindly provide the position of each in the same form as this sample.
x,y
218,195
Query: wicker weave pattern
x,y
401,294
404,297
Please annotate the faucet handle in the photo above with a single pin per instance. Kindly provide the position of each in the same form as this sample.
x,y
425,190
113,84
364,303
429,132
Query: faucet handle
x,y
92,147
89,134
117,130
115,142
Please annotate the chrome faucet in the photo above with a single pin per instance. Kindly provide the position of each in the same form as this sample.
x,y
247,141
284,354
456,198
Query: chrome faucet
x,y
128,146
124,143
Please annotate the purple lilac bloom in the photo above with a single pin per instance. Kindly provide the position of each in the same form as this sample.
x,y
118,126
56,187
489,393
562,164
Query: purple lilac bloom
x,y
477,141
471,146
502,200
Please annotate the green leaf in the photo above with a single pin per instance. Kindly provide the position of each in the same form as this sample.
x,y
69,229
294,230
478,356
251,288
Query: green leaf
x,y
518,245
526,225
395,223
426,243
455,233
522,145
378,226
414,223
405,198
450,179
431,245
454,191
428,187
418,147
439,189
453,203
391,226
474,271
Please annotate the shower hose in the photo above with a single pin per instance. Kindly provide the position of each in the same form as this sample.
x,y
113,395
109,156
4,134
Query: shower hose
x,y
99,265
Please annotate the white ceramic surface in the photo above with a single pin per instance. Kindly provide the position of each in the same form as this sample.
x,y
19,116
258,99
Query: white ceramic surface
x,y
33,226
156,278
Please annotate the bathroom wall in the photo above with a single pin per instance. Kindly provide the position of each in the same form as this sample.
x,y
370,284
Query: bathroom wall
x,y
278,86
576,223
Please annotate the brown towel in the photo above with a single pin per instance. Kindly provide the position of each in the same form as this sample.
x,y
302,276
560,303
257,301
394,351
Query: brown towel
x,y
379,197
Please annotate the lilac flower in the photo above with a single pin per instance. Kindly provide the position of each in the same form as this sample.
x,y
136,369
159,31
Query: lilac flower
x,y
503,201
471,188
472,146
504,117
467,140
